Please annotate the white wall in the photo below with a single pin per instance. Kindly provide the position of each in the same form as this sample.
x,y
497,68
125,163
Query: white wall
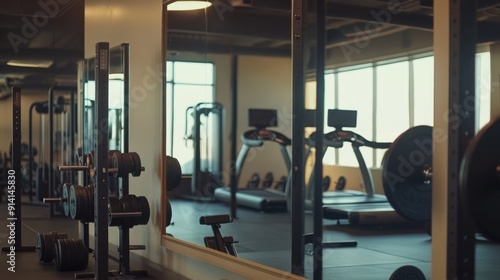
x,y
139,24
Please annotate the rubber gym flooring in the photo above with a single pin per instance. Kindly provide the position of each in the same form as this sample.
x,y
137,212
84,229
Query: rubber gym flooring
x,y
266,238
263,238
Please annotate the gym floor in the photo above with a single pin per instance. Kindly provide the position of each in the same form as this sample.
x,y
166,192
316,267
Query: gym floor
x,y
266,237
263,238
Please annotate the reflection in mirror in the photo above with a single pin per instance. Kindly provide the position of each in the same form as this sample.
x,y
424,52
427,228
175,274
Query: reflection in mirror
x,y
117,112
117,92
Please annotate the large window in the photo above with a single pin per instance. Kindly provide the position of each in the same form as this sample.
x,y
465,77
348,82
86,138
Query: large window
x,y
391,97
188,83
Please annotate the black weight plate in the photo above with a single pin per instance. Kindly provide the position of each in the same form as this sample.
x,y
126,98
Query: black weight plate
x,y
407,272
89,215
62,235
134,207
340,185
78,255
114,206
83,255
62,258
128,164
118,164
268,180
137,208
58,256
136,171
82,202
49,240
168,208
404,185
144,205
126,207
65,197
91,190
174,173
40,247
479,183
70,254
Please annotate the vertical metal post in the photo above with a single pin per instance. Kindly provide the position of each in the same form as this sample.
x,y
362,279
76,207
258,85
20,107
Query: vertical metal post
x,y
51,186
101,161
72,125
14,181
462,52
123,186
15,158
234,127
298,17
319,120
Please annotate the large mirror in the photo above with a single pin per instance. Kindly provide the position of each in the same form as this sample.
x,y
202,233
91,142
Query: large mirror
x,y
237,55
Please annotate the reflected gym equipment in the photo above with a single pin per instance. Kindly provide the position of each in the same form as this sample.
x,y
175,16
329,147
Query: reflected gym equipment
x,y
407,272
407,177
217,242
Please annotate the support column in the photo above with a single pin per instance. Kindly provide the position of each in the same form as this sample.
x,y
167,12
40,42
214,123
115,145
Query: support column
x,y
454,109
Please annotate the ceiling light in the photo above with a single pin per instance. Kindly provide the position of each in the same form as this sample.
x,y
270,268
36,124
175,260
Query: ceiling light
x,y
33,63
186,5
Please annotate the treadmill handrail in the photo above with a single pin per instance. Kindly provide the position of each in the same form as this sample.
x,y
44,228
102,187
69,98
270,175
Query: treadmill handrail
x,y
256,137
355,139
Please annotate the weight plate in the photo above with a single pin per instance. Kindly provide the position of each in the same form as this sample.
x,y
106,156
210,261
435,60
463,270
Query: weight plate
x,y
168,208
128,164
326,183
126,207
82,254
174,173
72,202
268,180
340,185
110,157
70,254
49,240
136,172
91,190
407,272
118,164
40,247
81,200
58,256
65,197
479,182
144,205
133,207
114,206
403,180
62,235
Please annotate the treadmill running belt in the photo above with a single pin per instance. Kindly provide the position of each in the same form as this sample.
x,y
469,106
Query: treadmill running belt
x,y
260,199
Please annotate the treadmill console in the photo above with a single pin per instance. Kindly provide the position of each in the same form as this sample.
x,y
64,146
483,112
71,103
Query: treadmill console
x,y
262,118
342,118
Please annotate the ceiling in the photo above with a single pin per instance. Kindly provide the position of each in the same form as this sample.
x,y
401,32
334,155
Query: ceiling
x,y
263,26
35,32
53,30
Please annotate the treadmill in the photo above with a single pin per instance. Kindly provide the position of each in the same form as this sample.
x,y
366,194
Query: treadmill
x,y
259,198
358,207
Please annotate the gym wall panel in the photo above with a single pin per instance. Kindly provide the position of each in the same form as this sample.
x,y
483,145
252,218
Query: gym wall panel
x,y
138,23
